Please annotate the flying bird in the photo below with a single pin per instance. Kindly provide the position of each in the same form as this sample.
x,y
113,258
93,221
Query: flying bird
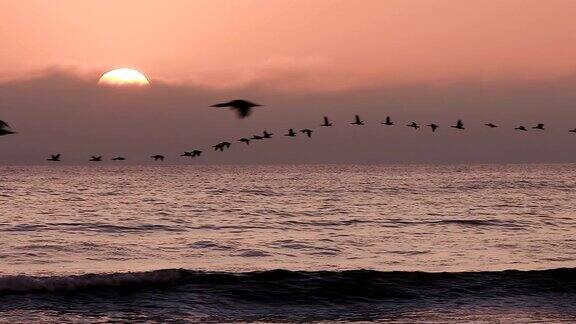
x,y
291,133
242,107
95,158
413,125
257,137
220,146
307,132
187,154
244,140
196,153
491,125
433,126
5,128
388,122
54,158
539,126
267,135
158,157
573,130
522,128
119,158
357,121
459,125
326,123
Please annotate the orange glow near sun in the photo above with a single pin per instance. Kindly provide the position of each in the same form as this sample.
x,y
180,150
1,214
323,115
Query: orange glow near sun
x,y
121,77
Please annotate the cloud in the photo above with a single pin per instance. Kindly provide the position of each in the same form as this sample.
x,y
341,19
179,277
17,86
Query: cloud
x,y
62,110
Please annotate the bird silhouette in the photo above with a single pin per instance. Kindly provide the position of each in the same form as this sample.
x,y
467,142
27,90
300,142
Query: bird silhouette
x,y
196,153
244,140
459,125
242,107
388,121
491,125
158,157
257,137
308,132
539,126
54,158
119,158
413,125
433,126
221,146
95,158
186,154
5,128
521,128
573,130
326,123
357,121
291,133
267,135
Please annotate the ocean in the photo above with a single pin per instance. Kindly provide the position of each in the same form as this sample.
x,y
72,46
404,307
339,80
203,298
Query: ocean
x,y
313,243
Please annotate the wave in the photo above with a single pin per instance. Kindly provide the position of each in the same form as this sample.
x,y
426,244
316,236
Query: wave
x,y
283,286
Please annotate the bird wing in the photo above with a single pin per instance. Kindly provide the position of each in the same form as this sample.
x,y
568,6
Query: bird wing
x,y
223,104
459,123
357,118
388,119
3,124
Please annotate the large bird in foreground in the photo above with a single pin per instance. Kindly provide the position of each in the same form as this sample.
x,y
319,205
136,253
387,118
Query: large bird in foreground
x,y
242,107
5,128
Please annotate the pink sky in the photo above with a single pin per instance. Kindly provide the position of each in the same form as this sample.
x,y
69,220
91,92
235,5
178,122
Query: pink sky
x,y
338,43
506,61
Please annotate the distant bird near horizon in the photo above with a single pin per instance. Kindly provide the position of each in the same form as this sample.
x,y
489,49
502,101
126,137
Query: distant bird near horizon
x,y
119,158
433,127
357,121
539,126
220,146
308,132
196,153
572,130
95,158
459,125
257,137
5,129
242,107
291,133
186,154
388,121
158,157
413,125
54,157
491,125
244,140
521,128
267,135
326,123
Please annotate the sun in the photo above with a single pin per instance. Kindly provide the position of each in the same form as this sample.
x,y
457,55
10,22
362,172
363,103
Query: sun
x,y
122,77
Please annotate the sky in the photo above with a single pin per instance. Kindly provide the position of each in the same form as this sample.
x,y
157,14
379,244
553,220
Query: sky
x,y
510,62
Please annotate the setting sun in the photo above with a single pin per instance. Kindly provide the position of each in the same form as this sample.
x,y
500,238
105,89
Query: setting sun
x,y
123,76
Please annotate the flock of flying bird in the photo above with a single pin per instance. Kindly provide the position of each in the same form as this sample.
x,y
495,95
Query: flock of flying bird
x,y
244,107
